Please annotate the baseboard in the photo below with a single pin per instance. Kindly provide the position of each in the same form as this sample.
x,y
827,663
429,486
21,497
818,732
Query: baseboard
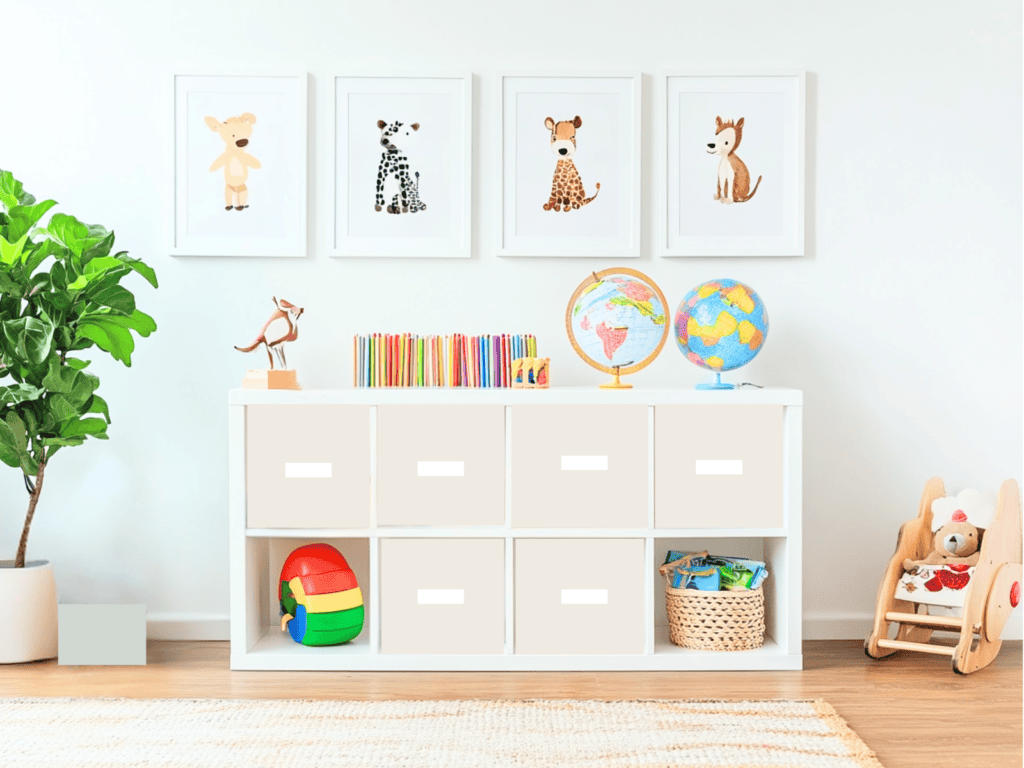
x,y
817,626
857,626
187,626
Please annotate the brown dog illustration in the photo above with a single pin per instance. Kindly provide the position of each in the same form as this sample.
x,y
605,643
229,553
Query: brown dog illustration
x,y
235,133
566,187
733,176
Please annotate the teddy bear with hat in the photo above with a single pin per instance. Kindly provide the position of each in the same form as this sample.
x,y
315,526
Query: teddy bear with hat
x,y
958,542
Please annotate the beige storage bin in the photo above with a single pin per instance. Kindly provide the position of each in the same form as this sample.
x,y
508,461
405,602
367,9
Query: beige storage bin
x,y
579,466
441,464
442,596
579,596
718,466
307,466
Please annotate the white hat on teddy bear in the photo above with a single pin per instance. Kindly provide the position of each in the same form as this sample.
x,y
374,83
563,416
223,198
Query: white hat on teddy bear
x,y
978,506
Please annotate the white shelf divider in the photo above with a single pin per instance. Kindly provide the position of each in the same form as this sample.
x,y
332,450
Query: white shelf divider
x,y
375,596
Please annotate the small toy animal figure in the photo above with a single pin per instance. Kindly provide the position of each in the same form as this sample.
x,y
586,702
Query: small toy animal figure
x,y
282,326
956,543
566,187
415,204
236,162
394,164
733,176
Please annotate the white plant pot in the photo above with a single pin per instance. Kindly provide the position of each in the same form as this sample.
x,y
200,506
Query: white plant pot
x,y
28,612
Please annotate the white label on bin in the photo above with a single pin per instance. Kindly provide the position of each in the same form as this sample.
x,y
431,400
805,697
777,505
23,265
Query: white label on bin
x,y
307,470
584,597
719,466
599,463
441,596
440,468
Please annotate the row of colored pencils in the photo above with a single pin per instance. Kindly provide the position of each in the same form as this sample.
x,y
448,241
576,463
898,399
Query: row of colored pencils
x,y
457,360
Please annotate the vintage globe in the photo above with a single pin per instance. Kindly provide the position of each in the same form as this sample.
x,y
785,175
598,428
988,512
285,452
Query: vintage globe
x,y
721,325
617,322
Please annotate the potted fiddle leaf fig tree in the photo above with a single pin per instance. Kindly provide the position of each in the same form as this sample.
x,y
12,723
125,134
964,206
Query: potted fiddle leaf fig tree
x,y
60,295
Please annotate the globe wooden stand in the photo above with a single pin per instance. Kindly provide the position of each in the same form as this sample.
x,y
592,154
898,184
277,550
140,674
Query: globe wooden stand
x,y
615,383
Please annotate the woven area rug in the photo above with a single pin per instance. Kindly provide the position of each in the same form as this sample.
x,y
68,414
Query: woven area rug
x,y
168,733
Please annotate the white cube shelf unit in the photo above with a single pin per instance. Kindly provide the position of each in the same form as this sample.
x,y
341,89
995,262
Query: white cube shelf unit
x,y
504,529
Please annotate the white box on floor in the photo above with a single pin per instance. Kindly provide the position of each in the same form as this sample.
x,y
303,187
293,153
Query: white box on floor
x,y
101,635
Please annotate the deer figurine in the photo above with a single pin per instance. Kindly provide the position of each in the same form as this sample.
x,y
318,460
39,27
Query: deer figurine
x,y
282,326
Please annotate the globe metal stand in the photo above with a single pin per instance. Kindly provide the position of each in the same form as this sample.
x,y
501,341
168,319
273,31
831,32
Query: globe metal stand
x,y
716,384
615,383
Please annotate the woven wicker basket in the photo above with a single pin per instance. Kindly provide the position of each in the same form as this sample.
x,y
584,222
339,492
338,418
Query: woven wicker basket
x,y
730,620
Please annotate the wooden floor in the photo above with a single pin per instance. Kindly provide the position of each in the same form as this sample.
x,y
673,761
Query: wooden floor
x,y
911,709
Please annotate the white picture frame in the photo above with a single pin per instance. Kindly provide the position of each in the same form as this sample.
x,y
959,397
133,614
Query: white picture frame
x,y
272,220
691,221
443,228
529,172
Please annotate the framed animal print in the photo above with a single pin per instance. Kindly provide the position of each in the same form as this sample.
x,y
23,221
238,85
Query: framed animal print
x,y
239,165
570,165
402,166
730,164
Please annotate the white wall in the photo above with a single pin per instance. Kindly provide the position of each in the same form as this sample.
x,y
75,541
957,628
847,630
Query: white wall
x,y
913,209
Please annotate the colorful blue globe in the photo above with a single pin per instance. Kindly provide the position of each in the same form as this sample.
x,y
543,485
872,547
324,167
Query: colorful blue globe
x,y
721,325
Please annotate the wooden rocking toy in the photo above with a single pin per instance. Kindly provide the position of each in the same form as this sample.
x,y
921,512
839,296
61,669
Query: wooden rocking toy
x,y
990,597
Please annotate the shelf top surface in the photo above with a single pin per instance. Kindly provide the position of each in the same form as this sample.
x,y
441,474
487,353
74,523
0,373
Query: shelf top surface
x,y
507,396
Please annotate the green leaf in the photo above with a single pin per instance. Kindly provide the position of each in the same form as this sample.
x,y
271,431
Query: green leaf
x,y
80,282
77,386
11,251
28,339
9,453
17,427
82,387
92,426
59,277
98,245
29,465
10,288
62,442
59,378
139,266
38,255
109,335
98,405
19,393
11,190
100,265
77,364
62,408
24,217
138,321
68,231
116,297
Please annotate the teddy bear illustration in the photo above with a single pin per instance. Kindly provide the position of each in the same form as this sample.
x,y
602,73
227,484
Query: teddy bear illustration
x,y
236,162
956,544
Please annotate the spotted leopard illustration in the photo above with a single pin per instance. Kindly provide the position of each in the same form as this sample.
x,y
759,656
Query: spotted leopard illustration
x,y
394,168
566,188
415,204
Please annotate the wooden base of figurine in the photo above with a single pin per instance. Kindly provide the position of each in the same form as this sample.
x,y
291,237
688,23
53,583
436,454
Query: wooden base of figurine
x,y
274,379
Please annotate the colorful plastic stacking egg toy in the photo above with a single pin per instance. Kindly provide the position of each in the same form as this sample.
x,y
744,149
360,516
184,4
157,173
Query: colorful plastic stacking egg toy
x,y
321,603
